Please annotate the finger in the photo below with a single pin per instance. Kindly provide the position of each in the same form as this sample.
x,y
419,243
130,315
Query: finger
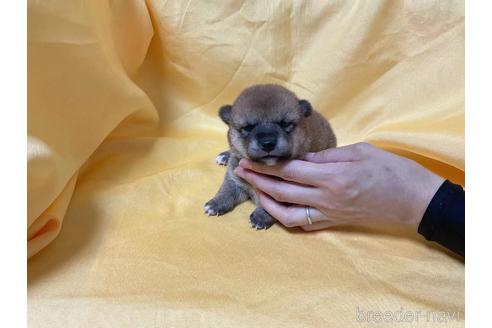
x,y
318,226
295,170
348,153
280,190
289,216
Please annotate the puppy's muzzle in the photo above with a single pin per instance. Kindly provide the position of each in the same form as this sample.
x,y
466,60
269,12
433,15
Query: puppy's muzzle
x,y
267,141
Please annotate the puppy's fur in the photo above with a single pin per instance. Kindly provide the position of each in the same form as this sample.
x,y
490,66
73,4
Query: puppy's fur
x,y
267,123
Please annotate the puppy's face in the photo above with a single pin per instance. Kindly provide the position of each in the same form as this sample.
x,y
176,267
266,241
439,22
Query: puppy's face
x,y
266,124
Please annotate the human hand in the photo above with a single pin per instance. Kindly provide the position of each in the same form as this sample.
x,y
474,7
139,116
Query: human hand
x,y
355,184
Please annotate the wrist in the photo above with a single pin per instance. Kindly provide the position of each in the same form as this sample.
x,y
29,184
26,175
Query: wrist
x,y
425,189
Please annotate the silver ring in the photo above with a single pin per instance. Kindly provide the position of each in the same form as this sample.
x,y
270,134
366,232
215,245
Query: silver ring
x,y
308,215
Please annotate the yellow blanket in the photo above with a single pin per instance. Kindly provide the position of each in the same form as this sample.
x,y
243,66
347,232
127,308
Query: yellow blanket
x,y
123,131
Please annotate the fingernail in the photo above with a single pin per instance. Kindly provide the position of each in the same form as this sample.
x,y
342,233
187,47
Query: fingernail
x,y
244,163
308,156
238,171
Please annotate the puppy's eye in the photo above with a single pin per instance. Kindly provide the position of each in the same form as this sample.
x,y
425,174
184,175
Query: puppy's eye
x,y
247,129
287,126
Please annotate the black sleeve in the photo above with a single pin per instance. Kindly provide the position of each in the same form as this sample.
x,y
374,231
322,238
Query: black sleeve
x,y
444,219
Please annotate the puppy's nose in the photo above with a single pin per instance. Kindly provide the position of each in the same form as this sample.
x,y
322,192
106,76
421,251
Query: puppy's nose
x,y
267,142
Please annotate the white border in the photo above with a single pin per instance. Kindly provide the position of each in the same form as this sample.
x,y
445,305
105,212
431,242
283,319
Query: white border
x,y
478,162
13,164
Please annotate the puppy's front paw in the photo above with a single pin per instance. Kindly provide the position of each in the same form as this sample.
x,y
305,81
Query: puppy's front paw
x,y
223,158
216,208
260,219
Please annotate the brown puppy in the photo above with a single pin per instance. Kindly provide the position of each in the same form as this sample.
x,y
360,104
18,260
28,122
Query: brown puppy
x,y
267,123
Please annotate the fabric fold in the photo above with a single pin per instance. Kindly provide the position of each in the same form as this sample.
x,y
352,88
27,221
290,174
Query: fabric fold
x,y
81,56
47,225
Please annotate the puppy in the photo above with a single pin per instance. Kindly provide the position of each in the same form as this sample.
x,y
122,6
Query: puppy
x,y
268,124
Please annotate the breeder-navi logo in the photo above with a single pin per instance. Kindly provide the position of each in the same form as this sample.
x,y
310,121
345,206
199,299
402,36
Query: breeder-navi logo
x,y
406,316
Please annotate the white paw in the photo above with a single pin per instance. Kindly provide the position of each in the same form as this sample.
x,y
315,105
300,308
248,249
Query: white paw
x,y
209,210
221,159
257,226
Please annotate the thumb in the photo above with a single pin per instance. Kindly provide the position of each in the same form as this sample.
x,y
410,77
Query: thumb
x,y
348,153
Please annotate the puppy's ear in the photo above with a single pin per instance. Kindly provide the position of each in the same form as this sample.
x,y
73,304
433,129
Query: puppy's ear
x,y
305,107
225,113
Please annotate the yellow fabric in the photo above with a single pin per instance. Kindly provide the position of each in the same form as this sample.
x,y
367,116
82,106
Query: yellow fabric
x,y
122,100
